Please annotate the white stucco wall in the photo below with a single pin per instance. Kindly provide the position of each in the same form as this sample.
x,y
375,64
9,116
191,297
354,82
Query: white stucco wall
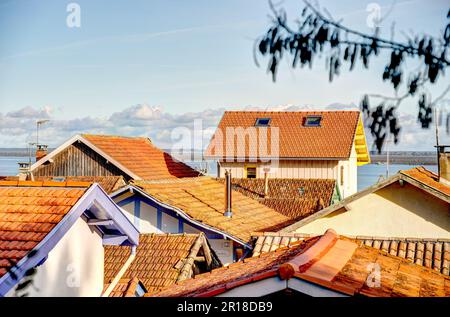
x,y
348,181
148,219
393,211
74,267
223,249
275,284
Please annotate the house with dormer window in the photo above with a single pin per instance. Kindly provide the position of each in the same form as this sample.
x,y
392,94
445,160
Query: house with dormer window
x,y
291,145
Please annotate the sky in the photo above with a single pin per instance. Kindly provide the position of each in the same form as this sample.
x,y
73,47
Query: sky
x,y
153,68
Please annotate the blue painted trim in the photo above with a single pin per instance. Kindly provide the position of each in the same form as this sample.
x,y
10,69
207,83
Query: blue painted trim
x,y
171,210
96,197
180,226
137,213
126,201
159,219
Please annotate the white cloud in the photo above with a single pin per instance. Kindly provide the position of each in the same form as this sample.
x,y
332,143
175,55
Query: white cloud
x,y
19,127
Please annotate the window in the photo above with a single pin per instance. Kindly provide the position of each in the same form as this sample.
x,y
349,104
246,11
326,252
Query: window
x,y
262,122
251,171
312,121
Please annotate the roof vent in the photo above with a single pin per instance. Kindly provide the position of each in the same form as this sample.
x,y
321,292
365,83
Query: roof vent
x,y
301,191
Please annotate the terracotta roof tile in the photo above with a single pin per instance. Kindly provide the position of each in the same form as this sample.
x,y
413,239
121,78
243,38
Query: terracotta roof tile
x,y
426,177
294,198
333,262
333,139
431,253
108,183
126,288
202,198
28,212
157,256
141,157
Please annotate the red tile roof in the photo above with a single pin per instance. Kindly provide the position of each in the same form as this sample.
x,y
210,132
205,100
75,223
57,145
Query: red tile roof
x,y
126,288
28,212
333,262
428,178
141,157
161,259
294,198
333,139
202,199
108,183
431,253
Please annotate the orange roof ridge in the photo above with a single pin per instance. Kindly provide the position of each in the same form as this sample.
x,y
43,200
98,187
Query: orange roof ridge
x,y
291,111
304,260
44,184
115,136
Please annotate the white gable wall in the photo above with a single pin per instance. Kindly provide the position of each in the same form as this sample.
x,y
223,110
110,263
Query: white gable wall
x,y
275,284
393,211
73,268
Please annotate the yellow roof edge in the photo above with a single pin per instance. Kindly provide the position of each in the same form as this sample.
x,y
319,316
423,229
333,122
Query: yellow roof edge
x,y
363,157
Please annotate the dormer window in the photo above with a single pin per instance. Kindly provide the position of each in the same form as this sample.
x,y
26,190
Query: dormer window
x,y
262,122
312,121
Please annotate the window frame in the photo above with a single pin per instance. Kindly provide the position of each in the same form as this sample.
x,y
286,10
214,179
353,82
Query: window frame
x,y
257,124
309,125
251,166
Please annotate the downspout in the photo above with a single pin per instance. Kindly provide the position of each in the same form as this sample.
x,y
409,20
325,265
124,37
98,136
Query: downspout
x,y
122,271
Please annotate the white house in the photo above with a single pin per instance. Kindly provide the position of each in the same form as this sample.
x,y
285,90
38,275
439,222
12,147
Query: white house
x,y
52,237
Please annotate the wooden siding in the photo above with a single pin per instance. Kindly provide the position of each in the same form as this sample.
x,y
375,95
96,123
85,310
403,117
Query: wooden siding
x,y
288,169
78,160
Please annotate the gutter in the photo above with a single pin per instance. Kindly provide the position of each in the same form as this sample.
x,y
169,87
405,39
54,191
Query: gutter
x,y
121,272
180,212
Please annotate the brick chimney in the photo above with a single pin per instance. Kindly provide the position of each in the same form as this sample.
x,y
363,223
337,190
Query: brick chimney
x,y
443,164
41,151
228,192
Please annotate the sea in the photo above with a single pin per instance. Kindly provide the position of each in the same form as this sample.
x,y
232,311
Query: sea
x,y
368,174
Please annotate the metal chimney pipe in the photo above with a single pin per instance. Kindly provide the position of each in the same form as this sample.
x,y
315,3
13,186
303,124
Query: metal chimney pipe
x,y
266,184
228,203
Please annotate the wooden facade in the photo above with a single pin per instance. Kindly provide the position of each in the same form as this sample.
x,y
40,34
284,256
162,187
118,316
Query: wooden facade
x,y
344,171
78,160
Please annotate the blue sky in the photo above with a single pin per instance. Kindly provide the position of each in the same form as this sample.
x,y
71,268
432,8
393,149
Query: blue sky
x,y
154,61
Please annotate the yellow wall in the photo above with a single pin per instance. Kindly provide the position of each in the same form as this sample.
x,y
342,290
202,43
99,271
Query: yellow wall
x,y
393,211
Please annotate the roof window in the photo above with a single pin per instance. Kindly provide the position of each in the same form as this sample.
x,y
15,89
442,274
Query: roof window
x,y
262,122
312,121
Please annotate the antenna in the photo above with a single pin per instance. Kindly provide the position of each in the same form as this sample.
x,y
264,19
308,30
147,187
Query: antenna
x,y
387,155
437,141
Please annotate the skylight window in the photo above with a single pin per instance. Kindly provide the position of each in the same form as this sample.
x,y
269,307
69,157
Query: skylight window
x,y
262,122
312,121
